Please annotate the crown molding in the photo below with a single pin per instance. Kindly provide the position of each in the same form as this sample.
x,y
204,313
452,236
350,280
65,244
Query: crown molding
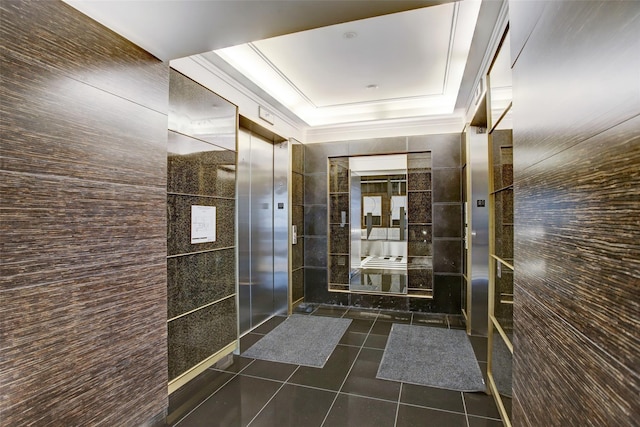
x,y
492,47
386,128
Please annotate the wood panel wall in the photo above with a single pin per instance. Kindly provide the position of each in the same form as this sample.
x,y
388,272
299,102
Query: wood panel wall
x,y
577,213
83,119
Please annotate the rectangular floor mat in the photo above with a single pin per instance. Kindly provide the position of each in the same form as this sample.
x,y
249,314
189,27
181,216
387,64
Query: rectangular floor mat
x,y
433,357
300,340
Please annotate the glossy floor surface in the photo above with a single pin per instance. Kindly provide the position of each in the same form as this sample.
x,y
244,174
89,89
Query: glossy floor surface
x,y
345,392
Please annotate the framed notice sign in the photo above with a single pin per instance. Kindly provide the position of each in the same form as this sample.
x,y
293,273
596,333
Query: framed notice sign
x,y
203,224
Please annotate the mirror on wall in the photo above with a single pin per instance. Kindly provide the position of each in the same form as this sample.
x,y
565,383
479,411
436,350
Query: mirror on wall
x,y
500,86
381,264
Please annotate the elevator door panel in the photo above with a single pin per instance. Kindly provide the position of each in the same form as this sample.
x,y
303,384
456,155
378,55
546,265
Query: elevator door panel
x,y
244,230
281,227
262,301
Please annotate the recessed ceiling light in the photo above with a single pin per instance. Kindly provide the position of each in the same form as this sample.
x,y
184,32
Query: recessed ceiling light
x,y
372,87
350,35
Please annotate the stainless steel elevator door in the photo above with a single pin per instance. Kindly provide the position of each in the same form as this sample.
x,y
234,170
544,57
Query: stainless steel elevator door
x,y
262,292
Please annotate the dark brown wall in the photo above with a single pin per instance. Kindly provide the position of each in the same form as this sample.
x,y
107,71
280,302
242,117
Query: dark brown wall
x,y
83,235
577,204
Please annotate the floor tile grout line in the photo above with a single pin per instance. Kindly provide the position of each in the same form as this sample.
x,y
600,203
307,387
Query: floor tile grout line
x,y
395,421
346,376
210,396
464,404
272,397
433,408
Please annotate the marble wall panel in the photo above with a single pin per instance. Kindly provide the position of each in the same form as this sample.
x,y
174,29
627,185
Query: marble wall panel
x,y
315,220
339,269
420,278
297,188
198,335
447,256
339,206
179,223
315,288
445,148
198,279
199,168
315,155
297,158
378,146
315,188
315,252
419,207
447,293
201,114
433,150
297,285
447,220
84,279
297,218
419,240
297,253
504,290
339,239
339,175
419,181
447,185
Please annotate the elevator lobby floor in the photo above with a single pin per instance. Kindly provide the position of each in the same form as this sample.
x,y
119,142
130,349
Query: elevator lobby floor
x,y
345,392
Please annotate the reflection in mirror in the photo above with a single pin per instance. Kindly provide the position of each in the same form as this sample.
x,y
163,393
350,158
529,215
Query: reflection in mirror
x,y
500,85
501,368
379,224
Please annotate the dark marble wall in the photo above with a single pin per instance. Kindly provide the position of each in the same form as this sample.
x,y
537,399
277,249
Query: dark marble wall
x,y
446,200
297,219
577,204
82,259
201,277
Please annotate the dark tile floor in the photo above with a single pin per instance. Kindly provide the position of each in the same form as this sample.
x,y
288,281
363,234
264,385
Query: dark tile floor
x,y
345,392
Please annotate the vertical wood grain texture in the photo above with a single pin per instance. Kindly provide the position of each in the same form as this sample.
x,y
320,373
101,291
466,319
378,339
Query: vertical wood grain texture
x,y
577,214
83,246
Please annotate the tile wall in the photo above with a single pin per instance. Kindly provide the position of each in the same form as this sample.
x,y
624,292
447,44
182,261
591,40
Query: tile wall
x,y
83,248
201,277
447,221
297,219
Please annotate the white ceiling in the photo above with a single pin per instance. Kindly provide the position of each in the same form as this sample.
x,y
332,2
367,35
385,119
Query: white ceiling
x,y
400,65
298,52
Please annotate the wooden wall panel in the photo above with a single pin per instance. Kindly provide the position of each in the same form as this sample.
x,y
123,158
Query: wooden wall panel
x,y
83,222
581,63
577,204
55,34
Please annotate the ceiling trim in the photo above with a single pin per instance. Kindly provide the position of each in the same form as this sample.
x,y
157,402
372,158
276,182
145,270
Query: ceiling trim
x,y
249,60
453,123
496,36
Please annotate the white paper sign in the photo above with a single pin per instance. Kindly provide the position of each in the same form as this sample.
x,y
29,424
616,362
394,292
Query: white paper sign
x,y
203,224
